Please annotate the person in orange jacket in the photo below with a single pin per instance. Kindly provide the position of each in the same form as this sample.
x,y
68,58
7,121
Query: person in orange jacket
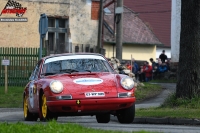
x,y
128,66
148,71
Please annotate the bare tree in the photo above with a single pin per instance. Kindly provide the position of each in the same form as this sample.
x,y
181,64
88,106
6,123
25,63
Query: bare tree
x,y
188,84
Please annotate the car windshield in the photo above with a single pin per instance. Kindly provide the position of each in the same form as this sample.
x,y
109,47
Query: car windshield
x,y
76,65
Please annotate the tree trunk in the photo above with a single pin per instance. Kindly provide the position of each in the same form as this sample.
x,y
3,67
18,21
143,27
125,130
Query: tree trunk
x,y
188,84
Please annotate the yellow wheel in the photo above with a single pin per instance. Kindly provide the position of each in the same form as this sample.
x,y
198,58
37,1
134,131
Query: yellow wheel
x,y
25,107
27,115
47,115
44,106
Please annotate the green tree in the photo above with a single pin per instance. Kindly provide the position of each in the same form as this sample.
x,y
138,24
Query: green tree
x,y
188,83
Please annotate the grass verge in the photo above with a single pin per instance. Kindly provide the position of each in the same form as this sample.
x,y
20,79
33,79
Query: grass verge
x,y
169,113
147,91
52,127
13,98
163,81
174,108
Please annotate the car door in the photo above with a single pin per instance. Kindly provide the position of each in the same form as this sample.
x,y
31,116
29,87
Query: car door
x,y
32,89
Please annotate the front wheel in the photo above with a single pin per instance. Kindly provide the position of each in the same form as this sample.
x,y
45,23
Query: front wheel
x,y
47,115
126,115
103,118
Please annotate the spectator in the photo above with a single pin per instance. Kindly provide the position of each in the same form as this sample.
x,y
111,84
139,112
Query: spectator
x,y
128,66
168,64
141,74
153,63
134,68
148,72
162,68
163,57
154,67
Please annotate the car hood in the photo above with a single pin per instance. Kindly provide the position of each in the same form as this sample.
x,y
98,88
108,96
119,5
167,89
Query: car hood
x,y
80,84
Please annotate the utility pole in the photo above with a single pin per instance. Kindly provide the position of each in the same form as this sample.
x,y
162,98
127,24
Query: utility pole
x,y
99,43
119,28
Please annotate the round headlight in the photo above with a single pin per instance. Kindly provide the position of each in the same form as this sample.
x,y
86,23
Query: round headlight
x,y
127,83
56,86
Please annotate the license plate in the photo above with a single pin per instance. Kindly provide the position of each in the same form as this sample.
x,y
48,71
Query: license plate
x,y
94,94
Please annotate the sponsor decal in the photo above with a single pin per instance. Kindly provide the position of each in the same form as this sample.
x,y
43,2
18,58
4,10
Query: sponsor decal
x,y
88,81
94,94
31,92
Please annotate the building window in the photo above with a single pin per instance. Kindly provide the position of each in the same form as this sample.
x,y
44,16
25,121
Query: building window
x,y
62,23
51,39
51,22
57,35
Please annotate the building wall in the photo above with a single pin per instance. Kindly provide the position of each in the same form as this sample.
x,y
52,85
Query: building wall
x,y
83,29
25,34
138,52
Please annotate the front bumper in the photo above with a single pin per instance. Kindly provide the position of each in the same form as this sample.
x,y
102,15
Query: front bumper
x,y
90,105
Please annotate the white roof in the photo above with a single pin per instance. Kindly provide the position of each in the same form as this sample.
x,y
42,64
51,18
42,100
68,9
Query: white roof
x,y
68,57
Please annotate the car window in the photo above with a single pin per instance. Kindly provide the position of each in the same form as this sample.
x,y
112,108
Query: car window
x,y
76,65
35,72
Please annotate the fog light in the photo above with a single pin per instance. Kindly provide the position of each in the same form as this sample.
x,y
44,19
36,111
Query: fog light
x,y
126,94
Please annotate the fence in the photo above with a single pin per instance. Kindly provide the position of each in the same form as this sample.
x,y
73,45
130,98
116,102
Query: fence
x,y
22,62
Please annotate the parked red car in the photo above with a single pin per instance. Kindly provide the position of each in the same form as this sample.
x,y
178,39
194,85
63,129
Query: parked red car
x,y
78,84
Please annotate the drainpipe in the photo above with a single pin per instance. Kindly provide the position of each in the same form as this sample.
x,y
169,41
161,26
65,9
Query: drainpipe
x,y
99,43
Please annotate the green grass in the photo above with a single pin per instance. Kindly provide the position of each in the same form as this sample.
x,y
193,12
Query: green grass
x,y
147,91
163,81
173,102
13,98
52,127
174,108
169,113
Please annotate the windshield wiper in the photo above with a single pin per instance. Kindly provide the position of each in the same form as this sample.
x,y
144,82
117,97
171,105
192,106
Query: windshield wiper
x,y
88,70
46,74
69,70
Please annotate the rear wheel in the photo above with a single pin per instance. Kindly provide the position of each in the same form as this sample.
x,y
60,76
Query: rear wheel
x,y
28,116
103,118
126,115
47,115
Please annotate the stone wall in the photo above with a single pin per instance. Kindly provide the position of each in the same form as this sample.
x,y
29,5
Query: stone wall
x,y
83,29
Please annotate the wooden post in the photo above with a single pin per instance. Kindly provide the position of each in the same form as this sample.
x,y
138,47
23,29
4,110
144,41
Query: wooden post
x,y
6,79
131,64
6,62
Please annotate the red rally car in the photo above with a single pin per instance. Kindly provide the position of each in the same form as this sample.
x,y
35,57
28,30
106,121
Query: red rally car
x,y
78,84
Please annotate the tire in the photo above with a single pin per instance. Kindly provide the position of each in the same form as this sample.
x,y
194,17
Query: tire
x,y
28,116
126,115
103,118
47,115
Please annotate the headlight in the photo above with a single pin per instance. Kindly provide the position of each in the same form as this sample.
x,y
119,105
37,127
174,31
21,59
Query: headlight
x,y
127,83
56,86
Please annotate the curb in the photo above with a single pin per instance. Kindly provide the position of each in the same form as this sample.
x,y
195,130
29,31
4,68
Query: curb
x,y
168,121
